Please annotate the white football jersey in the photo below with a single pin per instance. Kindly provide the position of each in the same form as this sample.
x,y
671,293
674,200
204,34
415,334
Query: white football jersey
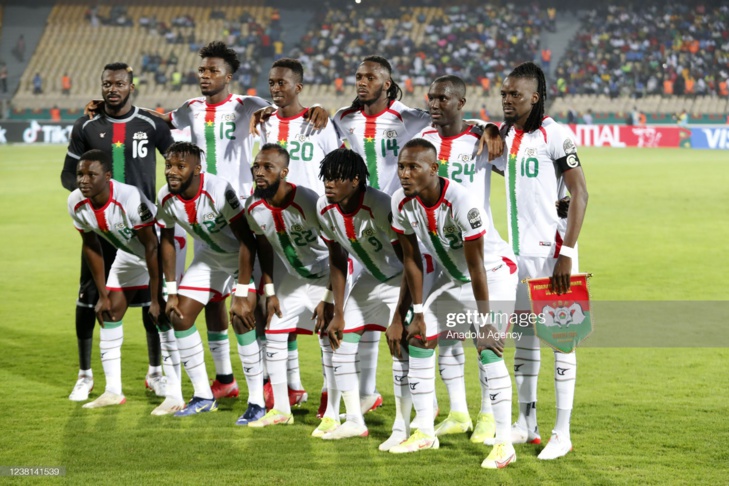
x,y
207,215
456,217
222,131
305,145
126,211
534,184
365,233
379,139
293,232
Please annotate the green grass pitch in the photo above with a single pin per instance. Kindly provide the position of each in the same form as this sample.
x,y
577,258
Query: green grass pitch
x,y
656,229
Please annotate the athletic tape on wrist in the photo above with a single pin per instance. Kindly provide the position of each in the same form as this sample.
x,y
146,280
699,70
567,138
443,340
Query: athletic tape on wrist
x,y
268,290
328,297
417,308
171,288
567,251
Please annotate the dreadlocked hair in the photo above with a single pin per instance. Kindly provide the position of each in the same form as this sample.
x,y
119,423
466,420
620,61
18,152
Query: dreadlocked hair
x,y
218,49
393,93
529,70
344,164
184,148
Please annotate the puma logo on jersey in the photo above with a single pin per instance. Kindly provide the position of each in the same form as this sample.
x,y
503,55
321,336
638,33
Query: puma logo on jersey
x,y
101,135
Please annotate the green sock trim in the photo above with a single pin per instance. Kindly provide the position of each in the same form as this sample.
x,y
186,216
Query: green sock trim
x,y
163,327
112,325
351,337
247,338
488,356
217,335
293,345
420,352
184,334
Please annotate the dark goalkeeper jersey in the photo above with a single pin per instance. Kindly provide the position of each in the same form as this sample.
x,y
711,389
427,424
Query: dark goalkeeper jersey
x,y
131,141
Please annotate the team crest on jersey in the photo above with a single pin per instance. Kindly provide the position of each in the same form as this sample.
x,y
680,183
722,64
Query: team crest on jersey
x,y
450,229
368,232
351,130
209,217
120,226
391,133
297,227
228,117
301,137
232,198
531,152
144,213
474,218
464,157
140,136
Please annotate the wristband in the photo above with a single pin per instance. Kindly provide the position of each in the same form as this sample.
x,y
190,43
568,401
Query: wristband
x,y
567,251
328,297
268,290
417,308
171,288
241,290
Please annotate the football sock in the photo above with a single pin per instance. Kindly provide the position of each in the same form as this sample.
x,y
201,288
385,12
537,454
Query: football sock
x,y
85,320
403,399
483,379
250,357
333,394
345,376
262,346
421,379
154,349
292,366
276,359
565,374
499,394
323,371
219,346
84,353
369,347
170,361
526,372
192,357
111,339
451,363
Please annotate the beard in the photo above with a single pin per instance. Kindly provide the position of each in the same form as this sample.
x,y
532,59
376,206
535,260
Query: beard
x,y
122,102
375,97
184,185
268,192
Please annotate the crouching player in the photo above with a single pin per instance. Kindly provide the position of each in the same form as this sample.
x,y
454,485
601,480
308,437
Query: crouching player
x,y
208,208
451,224
122,215
283,217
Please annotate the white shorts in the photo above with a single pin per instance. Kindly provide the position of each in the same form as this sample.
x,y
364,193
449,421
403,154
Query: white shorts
x,y
535,267
450,309
371,303
128,272
210,276
298,298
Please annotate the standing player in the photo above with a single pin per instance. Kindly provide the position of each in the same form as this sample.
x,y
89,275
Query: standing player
x,y
283,217
208,208
355,219
541,166
452,226
125,218
130,137
456,145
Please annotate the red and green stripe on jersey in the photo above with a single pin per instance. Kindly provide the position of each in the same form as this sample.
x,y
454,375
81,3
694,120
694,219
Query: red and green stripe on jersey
x,y
288,248
283,132
104,226
191,212
362,254
370,149
440,250
118,146
210,141
513,212
443,156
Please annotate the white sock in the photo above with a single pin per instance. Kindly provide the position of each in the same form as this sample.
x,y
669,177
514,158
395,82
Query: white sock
x,y
292,366
111,339
485,400
249,352
323,371
85,373
451,363
421,379
276,363
565,375
527,361
171,364
345,376
403,399
262,347
500,396
154,370
219,345
333,394
193,359
369,348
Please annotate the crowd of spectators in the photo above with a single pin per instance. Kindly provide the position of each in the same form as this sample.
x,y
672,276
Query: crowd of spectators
x,y
667,49
475,41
